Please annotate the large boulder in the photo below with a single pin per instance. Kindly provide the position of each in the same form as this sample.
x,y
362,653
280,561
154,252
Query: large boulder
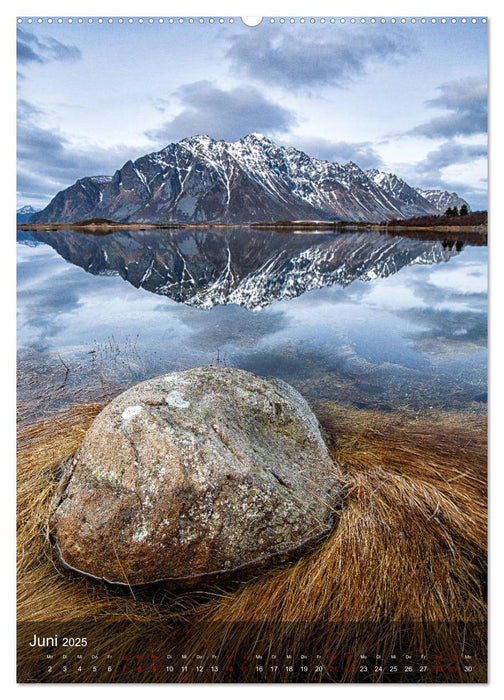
x,y
196,474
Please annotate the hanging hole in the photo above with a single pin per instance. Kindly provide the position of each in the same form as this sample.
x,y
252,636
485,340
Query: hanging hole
x,y
251,21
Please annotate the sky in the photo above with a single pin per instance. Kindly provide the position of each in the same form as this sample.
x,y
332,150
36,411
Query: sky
x,y
404,98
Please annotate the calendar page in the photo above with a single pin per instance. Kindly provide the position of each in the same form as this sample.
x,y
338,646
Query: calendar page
x,y
252,349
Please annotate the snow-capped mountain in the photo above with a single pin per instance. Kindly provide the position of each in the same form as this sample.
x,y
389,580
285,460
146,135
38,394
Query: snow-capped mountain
x,y
410,198
201,180
24,213
442,200
415,198
204,268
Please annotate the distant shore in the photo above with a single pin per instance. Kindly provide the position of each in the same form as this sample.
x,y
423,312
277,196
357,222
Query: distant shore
x,y
94,227
472,234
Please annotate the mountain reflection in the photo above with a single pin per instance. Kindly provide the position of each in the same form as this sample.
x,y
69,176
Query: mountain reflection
x,y
206,267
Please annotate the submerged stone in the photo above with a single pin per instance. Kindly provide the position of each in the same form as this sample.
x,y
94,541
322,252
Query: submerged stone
x,y
196,474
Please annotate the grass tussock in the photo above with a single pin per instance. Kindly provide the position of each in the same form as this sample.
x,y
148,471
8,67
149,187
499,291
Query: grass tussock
x,y
404,568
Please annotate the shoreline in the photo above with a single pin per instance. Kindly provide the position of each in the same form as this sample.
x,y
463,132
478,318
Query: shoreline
x,y
278,226
472,235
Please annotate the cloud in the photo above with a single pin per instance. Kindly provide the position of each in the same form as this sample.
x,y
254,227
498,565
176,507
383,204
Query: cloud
x,y
466,103
30,49
362,152
447,154
48,162
301,59
222,114
436,171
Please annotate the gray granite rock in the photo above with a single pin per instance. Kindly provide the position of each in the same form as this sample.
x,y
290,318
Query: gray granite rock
x,y
196,474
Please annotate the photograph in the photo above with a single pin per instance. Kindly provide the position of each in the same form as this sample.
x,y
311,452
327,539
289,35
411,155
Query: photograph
x,y
251,349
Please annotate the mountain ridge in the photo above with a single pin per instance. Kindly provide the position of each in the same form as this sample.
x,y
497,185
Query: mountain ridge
x,y
23,214
203,180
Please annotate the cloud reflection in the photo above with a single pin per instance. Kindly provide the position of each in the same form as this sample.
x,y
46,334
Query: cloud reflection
x,y
368,343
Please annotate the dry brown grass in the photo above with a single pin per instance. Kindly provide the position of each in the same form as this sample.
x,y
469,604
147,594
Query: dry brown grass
x,y
403,570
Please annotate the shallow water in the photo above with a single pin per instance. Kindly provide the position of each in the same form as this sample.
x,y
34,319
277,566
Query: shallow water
x,y
363,319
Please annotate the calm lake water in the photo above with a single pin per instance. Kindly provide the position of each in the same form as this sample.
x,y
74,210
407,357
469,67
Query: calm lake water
x,y
363,319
